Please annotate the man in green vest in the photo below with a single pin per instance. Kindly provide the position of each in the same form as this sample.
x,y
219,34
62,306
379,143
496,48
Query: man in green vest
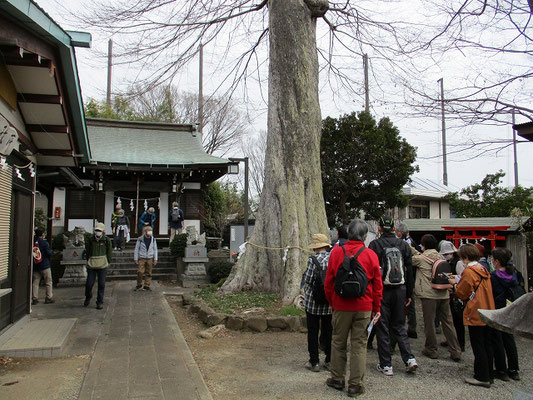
x,y
99,251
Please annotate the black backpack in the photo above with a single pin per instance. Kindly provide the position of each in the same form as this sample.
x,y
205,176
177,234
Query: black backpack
x,y
319,295
351,279
515,292
175,215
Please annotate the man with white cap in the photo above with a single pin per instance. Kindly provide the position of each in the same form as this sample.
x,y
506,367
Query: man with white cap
x,y
99,251
145,256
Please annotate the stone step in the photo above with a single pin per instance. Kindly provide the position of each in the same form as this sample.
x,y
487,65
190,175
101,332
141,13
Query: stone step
x,y
159,277
132,265
125,260
133,271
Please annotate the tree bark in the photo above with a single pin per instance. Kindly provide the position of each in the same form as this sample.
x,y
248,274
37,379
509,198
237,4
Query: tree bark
x,y
292,204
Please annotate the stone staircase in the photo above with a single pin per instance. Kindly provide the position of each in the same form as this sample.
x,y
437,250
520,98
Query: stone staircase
x,y
123,267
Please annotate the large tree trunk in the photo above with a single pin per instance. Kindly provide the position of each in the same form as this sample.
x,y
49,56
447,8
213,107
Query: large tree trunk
x,y
292,205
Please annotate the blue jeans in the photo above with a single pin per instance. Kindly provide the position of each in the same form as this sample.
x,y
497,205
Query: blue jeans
x,y
91,278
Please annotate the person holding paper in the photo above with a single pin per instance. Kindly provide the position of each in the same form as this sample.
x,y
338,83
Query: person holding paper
x,y
475,286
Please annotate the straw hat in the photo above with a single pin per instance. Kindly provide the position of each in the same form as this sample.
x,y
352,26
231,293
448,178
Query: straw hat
x,y
319,240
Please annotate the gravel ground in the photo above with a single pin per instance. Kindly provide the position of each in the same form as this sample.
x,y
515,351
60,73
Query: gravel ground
x,y
246,365
42,378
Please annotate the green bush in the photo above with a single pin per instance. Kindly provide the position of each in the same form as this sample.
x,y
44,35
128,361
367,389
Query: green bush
x,y
219,270
178,244
40,219
291,310
57,242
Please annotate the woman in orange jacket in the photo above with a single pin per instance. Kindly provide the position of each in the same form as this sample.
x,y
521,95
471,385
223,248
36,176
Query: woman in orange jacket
x,y
475,286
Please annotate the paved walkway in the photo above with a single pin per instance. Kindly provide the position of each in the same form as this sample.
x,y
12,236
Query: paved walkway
x,y
140,352
137,348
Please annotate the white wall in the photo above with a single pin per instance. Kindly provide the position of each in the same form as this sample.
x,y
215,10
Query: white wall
x,y
59,201
434,210
163,213
445,209
108,210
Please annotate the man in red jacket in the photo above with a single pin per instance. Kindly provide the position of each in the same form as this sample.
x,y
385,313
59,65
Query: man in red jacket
x,y
351,316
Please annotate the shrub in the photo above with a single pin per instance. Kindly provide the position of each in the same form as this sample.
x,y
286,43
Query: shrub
x,y
40,219
178,244
219,270
58,243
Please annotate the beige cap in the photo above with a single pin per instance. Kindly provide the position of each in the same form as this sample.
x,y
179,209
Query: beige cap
x,y
99,227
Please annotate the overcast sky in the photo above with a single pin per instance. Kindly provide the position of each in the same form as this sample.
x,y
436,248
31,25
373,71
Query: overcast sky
x,y
463,169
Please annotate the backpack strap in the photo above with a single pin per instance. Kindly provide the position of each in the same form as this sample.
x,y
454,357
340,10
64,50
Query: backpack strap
x,y
315,261
356,254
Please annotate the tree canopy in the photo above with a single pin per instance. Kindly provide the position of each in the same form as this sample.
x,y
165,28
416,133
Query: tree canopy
x,y
490,199
364,166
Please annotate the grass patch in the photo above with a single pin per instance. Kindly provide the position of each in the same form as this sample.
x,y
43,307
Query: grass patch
x,y
234,303
291,310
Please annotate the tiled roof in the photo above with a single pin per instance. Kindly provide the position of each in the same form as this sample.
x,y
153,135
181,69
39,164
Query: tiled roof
x,y
125,142
432,225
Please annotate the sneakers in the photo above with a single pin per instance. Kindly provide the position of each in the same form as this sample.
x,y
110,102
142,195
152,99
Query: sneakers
x,y
49,301
114,248
312,367
411,365
138,287
327,366
355,390
335,384
86,302
475,382
99,306
147,288
34,301
387,371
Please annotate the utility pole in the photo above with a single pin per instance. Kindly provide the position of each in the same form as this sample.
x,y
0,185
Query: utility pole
x,y
109,69
367,91
515,155
201,92
444,162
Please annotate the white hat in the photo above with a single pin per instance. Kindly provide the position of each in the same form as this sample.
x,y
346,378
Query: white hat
x,y
447,248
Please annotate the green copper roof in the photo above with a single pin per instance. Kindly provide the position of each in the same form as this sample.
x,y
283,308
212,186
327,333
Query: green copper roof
x,y
125,142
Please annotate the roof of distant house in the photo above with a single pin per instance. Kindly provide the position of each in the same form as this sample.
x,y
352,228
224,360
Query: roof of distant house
x,y
422,187
147,143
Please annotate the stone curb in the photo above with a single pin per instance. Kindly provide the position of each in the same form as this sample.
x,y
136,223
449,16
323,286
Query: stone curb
x,y
254,323
203,392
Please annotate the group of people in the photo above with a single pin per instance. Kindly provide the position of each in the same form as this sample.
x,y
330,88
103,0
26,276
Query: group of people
x,y
99,252
390,273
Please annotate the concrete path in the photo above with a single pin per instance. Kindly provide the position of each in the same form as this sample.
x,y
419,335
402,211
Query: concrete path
x,y
136,348
140,352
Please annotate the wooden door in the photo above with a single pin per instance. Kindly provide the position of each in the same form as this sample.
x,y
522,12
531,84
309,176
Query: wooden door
x,y
21,251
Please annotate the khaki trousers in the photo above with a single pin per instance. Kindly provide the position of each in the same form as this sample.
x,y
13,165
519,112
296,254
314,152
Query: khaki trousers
x,y
47,276
351,323
440,308
174,232
145,269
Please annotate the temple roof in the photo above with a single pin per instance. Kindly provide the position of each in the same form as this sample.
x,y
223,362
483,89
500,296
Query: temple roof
x,y
147,143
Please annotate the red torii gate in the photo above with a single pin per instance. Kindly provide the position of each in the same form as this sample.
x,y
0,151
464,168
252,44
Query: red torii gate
x,y
492,236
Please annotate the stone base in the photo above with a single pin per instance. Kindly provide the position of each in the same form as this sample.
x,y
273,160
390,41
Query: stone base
x,y
73,254
75,273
